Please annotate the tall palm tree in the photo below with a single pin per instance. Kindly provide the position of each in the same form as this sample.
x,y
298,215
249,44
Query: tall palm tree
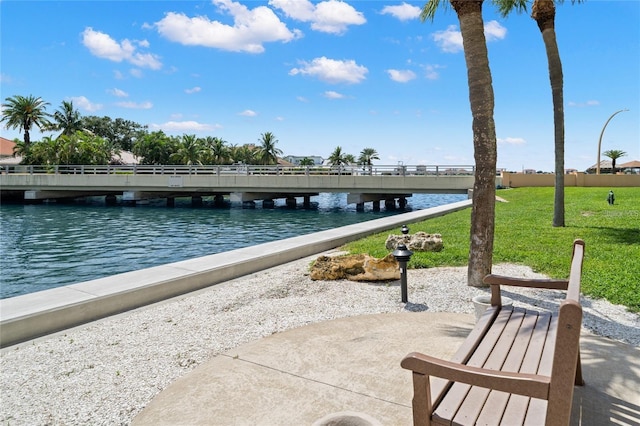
x,y
367,155
219,150
337,157
614,154
67,119
306,161
267,151
544,13
24,112
481,99
191,151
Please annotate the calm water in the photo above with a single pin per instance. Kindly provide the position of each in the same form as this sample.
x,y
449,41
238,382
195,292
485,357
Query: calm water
x,y
51,245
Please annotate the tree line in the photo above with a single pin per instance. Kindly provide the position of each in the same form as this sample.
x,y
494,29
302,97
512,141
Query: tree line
x,y
93,140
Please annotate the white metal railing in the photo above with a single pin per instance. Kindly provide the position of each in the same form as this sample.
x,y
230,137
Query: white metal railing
x,y
243,169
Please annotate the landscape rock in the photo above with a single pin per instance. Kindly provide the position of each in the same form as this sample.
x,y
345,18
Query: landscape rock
x,y
357,267
420,241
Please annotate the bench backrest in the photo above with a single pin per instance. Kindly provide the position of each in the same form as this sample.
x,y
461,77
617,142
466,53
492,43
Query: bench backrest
x,y
565,371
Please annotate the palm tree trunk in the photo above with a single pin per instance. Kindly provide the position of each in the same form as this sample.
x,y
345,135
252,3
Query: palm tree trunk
x,y
544,12
481,99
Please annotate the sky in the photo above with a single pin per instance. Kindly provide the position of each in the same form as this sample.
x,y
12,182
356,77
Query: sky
x,y
355,74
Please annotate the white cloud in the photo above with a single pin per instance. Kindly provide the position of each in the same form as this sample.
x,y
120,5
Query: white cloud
x,y
331,16
192,90
403,12
583,104
494,31
184,126
332,71
450,40
330,94
251,28
302,99
83,103
103,46
248,113
431,73
401,76
511,141
135,105
118,93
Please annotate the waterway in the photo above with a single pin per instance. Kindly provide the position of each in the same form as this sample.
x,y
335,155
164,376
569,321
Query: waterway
x,y
51,245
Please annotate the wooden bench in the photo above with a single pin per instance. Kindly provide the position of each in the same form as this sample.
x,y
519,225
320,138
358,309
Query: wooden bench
x,y
516,366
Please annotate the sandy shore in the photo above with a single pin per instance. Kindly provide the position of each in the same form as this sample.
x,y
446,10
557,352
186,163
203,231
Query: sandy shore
x,y
105,372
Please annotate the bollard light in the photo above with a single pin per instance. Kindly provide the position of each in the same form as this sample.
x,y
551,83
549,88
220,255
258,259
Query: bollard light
x,y
404,230
402,255
611,198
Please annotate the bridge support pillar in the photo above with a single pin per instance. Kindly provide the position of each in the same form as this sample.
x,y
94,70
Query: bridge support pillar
x,y
218,200
196,201
171,202
402,202
268,203
376,206
390,203
360,207
306,203
110,200
291,202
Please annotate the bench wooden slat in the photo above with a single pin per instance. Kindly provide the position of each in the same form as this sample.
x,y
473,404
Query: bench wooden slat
x,y
440,386
515,411
525,343
473,403
449,405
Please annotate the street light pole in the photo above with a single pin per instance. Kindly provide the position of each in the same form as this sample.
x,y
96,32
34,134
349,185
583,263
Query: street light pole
x,y
600,140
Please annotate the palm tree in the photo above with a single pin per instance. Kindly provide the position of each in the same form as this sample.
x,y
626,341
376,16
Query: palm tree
x,y
306,161
337,158
614,154
481,99
22,113
267,151
544,13
190,151
367,155
219,150
67,119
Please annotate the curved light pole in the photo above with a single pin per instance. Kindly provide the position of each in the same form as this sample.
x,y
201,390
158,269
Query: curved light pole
x,y
600,140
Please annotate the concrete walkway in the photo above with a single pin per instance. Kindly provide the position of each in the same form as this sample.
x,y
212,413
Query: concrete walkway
x,y
349,366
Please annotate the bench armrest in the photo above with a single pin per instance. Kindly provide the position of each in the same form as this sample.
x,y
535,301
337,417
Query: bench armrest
x,y
532,385
493,279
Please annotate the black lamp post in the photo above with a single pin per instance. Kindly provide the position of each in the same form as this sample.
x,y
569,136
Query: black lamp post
x,y
402,255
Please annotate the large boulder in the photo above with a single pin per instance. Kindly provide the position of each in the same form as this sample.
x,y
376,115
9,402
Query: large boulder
x,y
356,267
420,241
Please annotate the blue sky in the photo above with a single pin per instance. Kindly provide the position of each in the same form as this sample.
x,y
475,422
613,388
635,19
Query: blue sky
x,y
355,74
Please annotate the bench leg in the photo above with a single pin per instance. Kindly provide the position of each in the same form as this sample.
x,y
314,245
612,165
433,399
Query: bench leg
x,y
579,381
421,400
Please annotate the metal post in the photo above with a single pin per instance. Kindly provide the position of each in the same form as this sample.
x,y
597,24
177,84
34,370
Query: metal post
x,y
402,255
600,140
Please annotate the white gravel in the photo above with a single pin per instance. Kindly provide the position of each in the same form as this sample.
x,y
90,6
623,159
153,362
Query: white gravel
x,y
106,372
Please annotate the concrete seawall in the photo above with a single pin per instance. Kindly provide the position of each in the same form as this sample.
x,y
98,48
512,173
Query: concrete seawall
x,y
37,314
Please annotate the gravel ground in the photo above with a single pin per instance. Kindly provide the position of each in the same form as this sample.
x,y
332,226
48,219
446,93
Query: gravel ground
x,y
106,372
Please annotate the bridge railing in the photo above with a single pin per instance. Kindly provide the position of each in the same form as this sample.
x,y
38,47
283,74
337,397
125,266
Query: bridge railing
x,y
243,169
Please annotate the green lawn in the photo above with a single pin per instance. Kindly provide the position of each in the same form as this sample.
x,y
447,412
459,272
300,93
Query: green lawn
x,y
524,235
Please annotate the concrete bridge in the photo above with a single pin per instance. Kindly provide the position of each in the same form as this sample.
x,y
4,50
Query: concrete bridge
x,y
239,183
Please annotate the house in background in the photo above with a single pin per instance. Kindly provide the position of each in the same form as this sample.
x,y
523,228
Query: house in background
x,y
295,159
6,152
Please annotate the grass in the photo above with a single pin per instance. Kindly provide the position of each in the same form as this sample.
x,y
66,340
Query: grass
x,y
524,235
